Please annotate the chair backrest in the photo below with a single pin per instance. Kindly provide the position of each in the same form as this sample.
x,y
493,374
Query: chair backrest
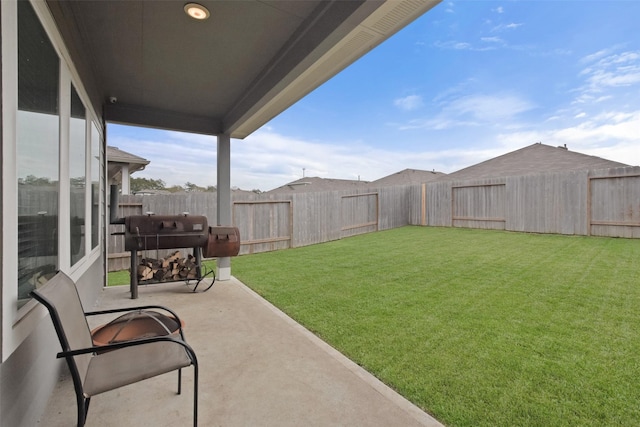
x,y
61,298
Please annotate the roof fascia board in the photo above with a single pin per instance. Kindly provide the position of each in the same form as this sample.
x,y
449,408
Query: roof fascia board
x,y
161,119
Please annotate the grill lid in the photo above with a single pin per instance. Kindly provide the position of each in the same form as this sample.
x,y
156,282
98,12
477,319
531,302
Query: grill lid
x,y
165,231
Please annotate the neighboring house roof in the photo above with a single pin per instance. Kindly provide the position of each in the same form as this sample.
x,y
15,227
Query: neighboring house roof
x,y
147,192
535,158
116,158
116,155
315,184
241,191
408,176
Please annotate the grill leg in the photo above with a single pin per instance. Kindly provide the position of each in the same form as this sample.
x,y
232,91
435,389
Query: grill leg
x,y
198,254
133,287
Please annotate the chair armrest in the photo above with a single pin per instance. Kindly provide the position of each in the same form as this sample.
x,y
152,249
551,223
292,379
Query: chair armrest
x,y
129,309
131,343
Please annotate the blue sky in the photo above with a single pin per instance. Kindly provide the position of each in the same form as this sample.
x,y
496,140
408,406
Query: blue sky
x,y
467,81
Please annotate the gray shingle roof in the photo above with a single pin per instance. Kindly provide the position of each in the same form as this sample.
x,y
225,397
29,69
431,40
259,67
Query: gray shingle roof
x,y
115,155
315,184
408,176
535,158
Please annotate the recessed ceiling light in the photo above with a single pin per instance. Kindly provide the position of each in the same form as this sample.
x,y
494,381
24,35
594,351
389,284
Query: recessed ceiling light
x,y
196,11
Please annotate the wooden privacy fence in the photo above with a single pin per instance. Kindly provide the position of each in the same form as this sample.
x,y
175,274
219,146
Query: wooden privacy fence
x,y
273,222
599,202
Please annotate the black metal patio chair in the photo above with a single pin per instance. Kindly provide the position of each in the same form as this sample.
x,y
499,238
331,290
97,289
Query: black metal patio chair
x,y
97,369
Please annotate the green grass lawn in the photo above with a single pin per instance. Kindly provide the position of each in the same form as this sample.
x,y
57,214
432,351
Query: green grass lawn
x,y
479,328
116,278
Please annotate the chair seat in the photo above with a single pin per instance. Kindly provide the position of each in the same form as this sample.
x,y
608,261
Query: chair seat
x,y
128,365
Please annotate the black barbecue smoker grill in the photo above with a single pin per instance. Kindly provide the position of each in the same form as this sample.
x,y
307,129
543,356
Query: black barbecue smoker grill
x,y
153,232
148,232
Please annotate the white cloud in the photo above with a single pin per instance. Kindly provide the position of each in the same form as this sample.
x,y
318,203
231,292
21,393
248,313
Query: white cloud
x,y
506,27
458,111
456,45
612,135
608,70
440,122
172,156
605,128
450,7
409,103
489,108
271,160
455,91
492,39
596,55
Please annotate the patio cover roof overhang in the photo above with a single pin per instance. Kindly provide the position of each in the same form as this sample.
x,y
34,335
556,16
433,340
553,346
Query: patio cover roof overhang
x,y
227,75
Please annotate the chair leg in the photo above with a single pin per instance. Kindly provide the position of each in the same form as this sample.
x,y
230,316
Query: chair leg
x,y
81,417
83,409
195,394
87,401
180,381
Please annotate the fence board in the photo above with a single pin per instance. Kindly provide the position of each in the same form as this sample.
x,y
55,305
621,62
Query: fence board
x,y
359,213
614,203
479,205
439,204
265,225
394,203
547,203
316,217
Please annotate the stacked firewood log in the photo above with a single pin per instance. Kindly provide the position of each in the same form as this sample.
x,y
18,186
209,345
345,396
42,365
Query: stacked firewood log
x,y
172,268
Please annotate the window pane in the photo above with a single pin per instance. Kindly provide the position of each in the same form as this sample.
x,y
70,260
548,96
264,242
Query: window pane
x,y
77,174
37,152
95,185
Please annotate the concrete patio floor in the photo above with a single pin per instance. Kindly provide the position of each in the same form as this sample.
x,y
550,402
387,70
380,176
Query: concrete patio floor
x,y
257,368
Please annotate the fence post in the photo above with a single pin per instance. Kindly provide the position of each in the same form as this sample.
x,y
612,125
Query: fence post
x,y
423,221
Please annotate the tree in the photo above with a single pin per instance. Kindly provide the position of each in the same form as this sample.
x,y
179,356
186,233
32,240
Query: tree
x,y
175,189
189,186
35,181
139,184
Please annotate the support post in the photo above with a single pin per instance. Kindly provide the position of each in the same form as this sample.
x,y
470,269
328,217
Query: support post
x,y
125,180
223,209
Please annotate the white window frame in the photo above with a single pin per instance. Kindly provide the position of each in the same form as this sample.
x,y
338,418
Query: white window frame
x,y
18,324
